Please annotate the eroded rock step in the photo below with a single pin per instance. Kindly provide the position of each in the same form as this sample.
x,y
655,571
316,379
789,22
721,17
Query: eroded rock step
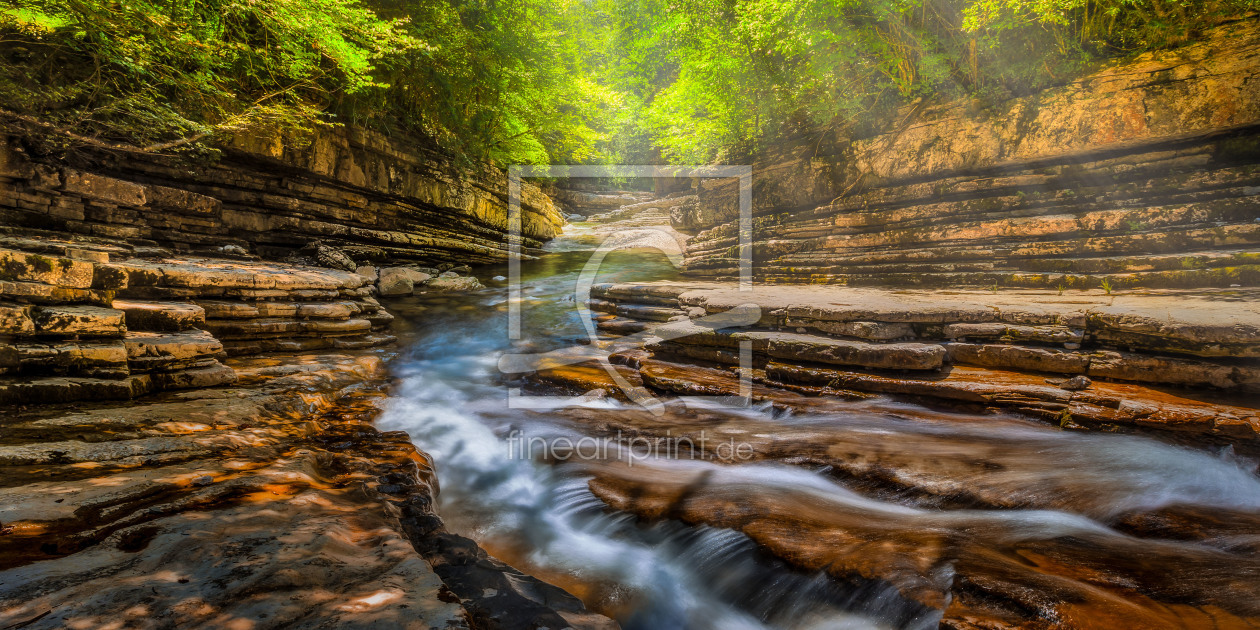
x,y
215,499
1076,360
225,477
378,197
1006,578
98,323
940,529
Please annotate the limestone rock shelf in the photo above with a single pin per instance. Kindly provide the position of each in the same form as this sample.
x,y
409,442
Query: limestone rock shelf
x,y
272,500
173,452
1143,174
376,198
591,203
88,320
1176,362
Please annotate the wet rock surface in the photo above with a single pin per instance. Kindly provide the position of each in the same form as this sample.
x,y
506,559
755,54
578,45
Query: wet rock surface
x,y
237,480
982,572
954,511
272,503
1181,363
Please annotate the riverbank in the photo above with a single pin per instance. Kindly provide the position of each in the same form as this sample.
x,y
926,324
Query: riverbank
x,y
1160,361
240,455
189,395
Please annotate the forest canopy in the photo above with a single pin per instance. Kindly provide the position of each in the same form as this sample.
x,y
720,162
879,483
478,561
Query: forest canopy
x,y
532,81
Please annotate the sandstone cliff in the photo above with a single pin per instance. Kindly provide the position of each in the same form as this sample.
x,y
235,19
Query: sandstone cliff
x,y
379,199
1144,173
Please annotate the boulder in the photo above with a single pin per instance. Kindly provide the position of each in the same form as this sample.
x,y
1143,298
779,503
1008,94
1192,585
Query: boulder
x,y
445,284
330,257
367,271
395,281
232,250
418,277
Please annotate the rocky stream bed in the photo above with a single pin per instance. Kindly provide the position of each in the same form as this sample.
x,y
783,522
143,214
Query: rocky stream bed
x,y
984,376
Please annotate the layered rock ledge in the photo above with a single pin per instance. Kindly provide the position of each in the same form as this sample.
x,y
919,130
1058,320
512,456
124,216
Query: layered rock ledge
x,y
270,503
378,199
1179,363
90,320
187,441
1143,174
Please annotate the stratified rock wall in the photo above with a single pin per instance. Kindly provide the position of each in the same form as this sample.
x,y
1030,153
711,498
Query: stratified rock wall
x,y
379,199
1166,362
588,203
1145,173
185,428
92,321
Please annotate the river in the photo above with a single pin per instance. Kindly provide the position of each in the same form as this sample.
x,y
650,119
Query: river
x,y
930,505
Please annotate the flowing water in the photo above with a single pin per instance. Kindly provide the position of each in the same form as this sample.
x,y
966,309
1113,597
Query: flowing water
x,y
916,502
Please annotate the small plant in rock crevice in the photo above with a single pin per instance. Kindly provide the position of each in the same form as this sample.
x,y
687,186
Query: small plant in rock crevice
x,y
1065,417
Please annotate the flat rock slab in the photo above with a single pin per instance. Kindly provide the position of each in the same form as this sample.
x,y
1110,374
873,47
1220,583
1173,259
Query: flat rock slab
x,y
265,502
274,327
203,374
874,331
584,378
1198,323
256,345
19,266
88,321
161,316
221,274
37,293
887,356
1108,403
25,391
151,350
812,348
1015,332
65,356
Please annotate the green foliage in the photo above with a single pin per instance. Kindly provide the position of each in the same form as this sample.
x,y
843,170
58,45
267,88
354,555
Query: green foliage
x,y
576,81
726,77
500,79
1065,417
1105,25
149,71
